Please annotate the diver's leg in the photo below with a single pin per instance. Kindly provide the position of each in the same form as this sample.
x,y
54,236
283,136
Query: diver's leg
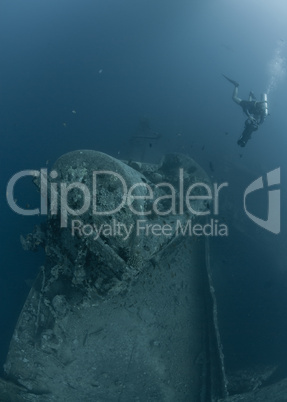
x,y
246,135
235,96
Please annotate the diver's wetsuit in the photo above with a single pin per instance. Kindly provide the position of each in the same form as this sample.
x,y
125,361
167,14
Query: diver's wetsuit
x,y
249,107
253,111
255,117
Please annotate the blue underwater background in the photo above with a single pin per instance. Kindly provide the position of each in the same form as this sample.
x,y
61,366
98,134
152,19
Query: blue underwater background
x,y
92,74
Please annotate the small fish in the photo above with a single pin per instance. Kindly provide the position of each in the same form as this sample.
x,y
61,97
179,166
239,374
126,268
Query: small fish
x,y
73,111
203,148
226,133
211,166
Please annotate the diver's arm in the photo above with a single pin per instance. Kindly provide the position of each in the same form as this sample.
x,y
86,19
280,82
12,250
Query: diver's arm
x,y
254,121
235,96
251,96
249,115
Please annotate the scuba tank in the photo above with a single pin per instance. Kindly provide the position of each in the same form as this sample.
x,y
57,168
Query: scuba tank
x,y
264,104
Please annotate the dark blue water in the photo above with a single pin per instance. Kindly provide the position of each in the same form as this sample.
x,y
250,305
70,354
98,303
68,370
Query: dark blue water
x,y
83,74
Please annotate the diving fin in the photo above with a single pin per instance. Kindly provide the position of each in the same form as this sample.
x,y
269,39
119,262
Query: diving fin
x,y
232,81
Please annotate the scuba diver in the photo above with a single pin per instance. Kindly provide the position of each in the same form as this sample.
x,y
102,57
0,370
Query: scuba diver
x,y
256,112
